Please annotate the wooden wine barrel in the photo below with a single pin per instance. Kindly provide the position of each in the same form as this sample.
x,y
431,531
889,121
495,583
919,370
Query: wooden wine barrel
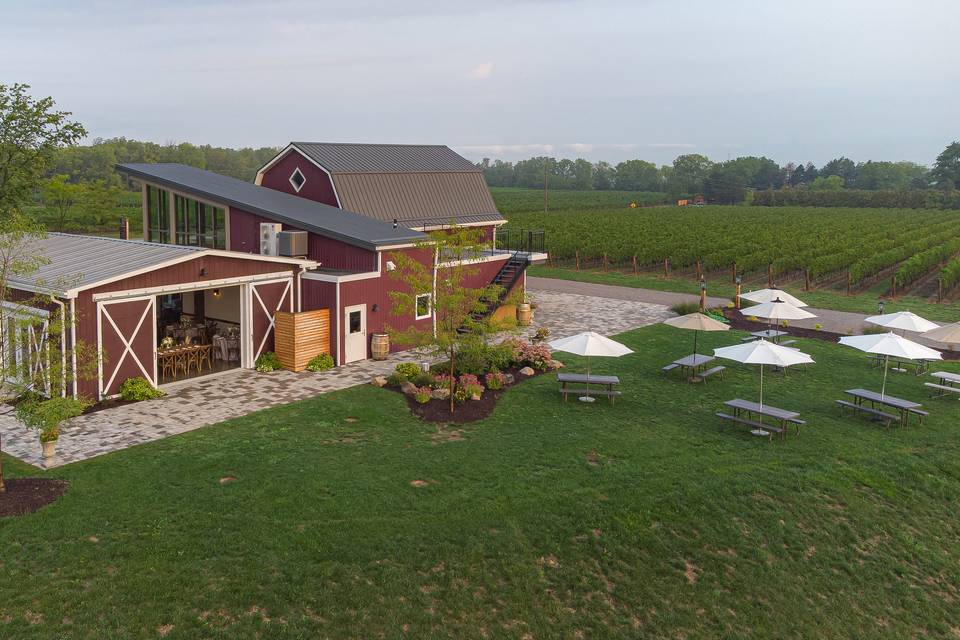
x,y
380,346
524,314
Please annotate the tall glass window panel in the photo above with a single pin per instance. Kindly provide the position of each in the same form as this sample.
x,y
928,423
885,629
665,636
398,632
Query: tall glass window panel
x,y
158,215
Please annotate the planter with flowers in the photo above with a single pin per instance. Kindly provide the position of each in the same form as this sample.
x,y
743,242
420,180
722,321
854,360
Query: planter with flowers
x,y
46,417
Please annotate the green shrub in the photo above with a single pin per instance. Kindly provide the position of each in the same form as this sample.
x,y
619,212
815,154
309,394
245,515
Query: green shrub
x,y
422,379
395,379
461,394
473,358
139,388
46,415
684,308
322,362
408,369
267,361
423,395
501,356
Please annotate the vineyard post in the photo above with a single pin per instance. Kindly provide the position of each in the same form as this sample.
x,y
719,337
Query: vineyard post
x,y
733,272
806,279
939,290
606,263
893,286
703,295
636,271
770,275
699,270
738,281
578,261
848,282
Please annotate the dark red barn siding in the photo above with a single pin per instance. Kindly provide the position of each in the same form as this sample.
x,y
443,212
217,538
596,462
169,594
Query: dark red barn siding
x,y
323,295
217,267
118,364
330,253
317,187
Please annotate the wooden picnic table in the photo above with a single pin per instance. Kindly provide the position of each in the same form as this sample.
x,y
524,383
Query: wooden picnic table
x,y
946,383
905,407
769,333
607,384
782,417
919,366
690,365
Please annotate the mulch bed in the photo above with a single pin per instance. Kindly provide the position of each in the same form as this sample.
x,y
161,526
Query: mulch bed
x,y
739,321
26,495
438,411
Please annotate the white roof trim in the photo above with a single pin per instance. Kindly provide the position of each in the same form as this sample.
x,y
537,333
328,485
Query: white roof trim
x,y
292,147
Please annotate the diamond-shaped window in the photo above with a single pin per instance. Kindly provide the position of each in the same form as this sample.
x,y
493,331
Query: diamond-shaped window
x,y
297,179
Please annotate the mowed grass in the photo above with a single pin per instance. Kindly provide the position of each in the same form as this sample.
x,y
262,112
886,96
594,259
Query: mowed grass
x,y
547,520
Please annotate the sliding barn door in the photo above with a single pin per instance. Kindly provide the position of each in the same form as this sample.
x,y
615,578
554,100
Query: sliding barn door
x,y
266,298
127,332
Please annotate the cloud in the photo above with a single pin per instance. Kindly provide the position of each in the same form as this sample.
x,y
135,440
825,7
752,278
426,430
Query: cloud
x,y
671,145
579,147
482,71
508,149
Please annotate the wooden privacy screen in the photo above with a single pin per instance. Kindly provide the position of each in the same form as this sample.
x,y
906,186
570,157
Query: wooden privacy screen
x,y
301,336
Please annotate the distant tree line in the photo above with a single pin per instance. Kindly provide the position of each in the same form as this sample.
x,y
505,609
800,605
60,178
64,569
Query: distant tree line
x,y
730,181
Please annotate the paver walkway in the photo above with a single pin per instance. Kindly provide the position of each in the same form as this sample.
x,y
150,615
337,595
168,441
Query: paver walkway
x,y
192,404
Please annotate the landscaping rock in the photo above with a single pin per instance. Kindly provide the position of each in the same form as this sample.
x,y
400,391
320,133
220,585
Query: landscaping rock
x,y
526,371
508,379
408,388
379,381
556,364
441,394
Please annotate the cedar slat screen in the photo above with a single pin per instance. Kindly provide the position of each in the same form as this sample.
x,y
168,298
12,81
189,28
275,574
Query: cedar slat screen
x,y
301,336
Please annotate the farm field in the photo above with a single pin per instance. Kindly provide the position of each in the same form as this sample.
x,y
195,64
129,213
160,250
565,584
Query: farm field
x,y
513,200
867,253
546,520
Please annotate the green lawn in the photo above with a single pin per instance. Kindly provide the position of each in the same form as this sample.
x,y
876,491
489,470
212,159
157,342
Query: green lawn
x,y
822,299
548,520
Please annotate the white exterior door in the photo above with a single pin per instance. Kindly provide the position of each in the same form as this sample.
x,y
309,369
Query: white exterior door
x,y
354,333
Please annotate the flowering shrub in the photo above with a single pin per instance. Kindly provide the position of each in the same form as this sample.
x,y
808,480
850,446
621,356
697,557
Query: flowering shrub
x,y
460,394
442,381
535,355
422,395
495,380
470,384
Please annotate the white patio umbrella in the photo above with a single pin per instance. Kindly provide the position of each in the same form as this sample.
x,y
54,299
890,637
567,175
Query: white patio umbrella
x,y
769,295
948,334
890,344
762,352
779,310
903,320
697,322
590,344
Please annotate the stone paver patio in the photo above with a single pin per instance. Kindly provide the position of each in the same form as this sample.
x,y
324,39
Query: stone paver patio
x,y
193,404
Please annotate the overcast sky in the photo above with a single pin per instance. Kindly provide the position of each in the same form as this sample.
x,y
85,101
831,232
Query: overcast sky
x,y
796,81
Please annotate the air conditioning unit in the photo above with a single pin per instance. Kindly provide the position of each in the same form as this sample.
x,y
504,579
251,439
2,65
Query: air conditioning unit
x,y
292,244
268,238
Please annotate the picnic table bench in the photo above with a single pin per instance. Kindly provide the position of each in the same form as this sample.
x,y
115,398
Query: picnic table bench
x,y
900,364
691,366
887,418
904,407
782,417
605,382
946,383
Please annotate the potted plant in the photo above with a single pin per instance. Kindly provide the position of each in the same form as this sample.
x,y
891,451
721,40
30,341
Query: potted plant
x,y
46,416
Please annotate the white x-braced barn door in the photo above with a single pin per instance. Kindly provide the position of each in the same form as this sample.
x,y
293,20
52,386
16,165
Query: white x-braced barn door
x,y
266,298
27,351
127,331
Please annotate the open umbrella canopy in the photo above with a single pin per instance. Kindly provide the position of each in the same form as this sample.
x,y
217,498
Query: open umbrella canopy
x,y
697,322
763,352
769,295
778,310
589,343
891,344
903,320
948,333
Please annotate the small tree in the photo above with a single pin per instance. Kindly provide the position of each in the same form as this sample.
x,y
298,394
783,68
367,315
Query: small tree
x,y
460,312
61,196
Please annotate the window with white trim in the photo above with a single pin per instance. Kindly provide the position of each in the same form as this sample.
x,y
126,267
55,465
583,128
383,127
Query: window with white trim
x,y
423,306
297,180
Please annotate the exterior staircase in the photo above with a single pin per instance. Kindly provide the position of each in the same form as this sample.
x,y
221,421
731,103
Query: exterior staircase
x,y
511,272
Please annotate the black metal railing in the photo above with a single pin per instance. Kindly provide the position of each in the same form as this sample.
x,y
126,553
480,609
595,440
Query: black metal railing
x,y
528,240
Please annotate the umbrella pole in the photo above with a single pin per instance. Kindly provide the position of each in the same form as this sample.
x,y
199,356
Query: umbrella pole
x,y
886,363
695,332
761,386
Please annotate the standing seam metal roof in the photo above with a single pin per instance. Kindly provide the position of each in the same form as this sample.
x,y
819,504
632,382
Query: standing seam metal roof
x,y
338,157
301,213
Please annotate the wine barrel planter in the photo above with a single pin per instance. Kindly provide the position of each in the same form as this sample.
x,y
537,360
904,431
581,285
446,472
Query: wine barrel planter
x,y
524,314
380,346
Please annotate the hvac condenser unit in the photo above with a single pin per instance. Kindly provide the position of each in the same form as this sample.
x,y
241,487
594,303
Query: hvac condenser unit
x,y
268,238
292,244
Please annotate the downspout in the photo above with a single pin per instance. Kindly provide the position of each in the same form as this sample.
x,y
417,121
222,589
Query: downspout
x,y
63,344
73,345
433,294
338,318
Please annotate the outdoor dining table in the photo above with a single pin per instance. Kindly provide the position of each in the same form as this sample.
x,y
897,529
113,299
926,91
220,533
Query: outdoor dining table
x,y
769,333
905,407
946,378
606,382
920,366
690,365
780,416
